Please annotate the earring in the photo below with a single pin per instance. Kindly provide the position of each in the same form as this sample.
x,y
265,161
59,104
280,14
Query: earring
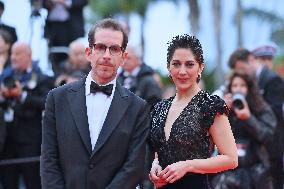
x,y
198,78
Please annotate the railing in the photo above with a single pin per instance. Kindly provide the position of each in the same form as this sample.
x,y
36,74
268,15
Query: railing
x,y
15,161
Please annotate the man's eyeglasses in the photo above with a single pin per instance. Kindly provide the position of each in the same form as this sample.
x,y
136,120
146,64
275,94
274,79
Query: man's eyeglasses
x,y
113,49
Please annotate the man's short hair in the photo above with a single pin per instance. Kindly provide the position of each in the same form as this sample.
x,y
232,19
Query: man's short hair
x,y
107,23
240,54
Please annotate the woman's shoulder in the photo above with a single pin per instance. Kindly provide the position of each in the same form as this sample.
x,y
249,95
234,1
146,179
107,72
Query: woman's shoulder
x,y
210,106
213,100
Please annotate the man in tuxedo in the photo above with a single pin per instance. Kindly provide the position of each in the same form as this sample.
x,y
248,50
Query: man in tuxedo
x,y
11,30
271,87
94,130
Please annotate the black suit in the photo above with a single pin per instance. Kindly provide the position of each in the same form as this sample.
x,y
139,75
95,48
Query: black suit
x,y
117,161
272,88
10,30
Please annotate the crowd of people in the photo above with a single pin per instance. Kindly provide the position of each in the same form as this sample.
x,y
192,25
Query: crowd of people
x,y
103,121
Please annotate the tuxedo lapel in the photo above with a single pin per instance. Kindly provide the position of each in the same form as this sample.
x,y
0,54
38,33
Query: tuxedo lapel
x,y
117,109
77,101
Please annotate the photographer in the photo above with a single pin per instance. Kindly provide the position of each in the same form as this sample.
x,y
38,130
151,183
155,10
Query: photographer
x,y
23,91
253,124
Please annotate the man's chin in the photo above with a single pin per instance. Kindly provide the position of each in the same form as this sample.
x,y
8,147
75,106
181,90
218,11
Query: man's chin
x,y
107,79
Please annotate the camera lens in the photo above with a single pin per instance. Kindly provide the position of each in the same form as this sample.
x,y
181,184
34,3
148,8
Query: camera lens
x,y
238,100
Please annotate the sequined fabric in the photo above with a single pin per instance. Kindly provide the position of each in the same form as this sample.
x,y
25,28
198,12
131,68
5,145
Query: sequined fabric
x,y
189,137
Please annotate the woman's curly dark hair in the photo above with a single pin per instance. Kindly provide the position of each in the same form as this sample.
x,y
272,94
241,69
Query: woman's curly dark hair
x,y
187,42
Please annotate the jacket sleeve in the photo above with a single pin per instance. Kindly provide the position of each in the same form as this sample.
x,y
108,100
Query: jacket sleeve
x,y
50,169
133,168
262,127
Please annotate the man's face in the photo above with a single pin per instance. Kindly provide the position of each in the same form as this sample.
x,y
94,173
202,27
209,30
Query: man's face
x,y
131,61
77,56
244,67
20,57
106,63
266,61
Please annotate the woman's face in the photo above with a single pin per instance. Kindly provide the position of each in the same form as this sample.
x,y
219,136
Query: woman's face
x,y
239,86
184,69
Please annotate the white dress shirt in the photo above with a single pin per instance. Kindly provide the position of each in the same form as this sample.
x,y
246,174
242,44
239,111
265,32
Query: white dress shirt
x,y
97,108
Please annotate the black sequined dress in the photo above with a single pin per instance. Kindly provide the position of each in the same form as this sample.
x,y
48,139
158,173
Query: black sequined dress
x,y
189,137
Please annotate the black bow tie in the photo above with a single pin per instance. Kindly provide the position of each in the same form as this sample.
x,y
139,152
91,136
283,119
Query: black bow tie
x,y
106,89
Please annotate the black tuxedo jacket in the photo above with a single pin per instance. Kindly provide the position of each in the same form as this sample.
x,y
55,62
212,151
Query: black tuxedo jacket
x,y
117,160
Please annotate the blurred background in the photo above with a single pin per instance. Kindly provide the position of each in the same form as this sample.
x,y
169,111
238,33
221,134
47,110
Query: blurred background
x,y
221,26
57,32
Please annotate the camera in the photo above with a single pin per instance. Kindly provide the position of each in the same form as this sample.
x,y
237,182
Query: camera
x,y
9,82
238,100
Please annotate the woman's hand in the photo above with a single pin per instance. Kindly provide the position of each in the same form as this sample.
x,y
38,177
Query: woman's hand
x,y
175,171
154,175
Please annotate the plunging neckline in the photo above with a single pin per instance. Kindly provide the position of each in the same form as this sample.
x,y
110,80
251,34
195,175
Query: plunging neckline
x,y
181,113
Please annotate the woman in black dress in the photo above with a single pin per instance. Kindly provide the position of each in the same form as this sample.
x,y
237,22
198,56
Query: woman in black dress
x,y
186,127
